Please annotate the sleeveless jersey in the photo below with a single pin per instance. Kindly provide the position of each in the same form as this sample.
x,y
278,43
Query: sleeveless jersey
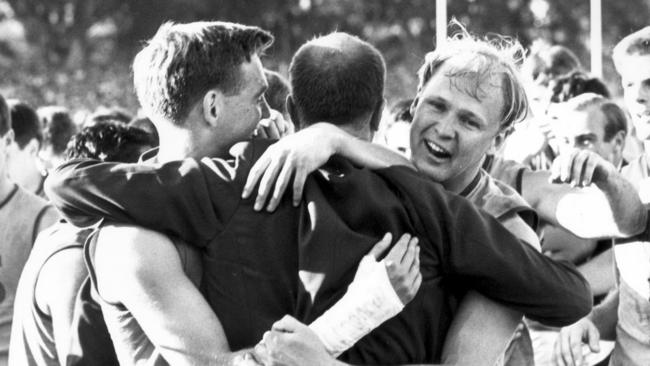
x,y
20,216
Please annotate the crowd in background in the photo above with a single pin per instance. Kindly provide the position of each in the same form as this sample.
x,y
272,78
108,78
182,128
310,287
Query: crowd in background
x,y
567,162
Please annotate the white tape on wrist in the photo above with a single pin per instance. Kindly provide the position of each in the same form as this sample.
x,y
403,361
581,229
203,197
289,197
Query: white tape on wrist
x,y
369,301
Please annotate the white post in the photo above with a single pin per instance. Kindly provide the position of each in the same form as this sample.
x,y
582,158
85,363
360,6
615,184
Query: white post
x,y
441,22
596,38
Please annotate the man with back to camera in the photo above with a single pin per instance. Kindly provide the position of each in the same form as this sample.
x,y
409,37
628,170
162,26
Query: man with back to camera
x,y
325,218
55,319
145,301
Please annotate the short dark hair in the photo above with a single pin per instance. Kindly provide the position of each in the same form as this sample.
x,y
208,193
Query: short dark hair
x,y
183,61
614,116
25,123
146,125
276,93
109,141
5,117
552,61
576,83
58,128
336,78
635,44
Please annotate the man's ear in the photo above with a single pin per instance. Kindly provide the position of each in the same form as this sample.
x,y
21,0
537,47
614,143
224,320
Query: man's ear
x,y
619,139
293,113
376,115
212,106
499,139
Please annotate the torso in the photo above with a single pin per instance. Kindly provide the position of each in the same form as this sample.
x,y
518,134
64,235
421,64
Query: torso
x,y
20,216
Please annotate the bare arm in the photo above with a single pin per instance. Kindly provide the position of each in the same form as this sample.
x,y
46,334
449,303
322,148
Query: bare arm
x,y
612,210
305,151
149,280
599,272
55,293
477,316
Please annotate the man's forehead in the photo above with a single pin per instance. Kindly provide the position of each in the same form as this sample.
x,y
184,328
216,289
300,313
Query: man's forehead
x,y
252,74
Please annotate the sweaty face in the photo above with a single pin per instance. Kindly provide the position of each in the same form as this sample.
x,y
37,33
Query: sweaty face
x,y
242,111
635,77
452,130
585,129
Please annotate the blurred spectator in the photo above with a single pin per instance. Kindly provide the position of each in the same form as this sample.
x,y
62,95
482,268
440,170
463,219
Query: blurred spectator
x,y
56,278
23,164
110,141
576,83
277,92
22,216
595,123
146,125
58,128
548,62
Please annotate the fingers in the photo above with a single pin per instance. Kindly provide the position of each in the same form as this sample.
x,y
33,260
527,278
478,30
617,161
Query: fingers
x,y
381,246
266,183
594,338
299,185
565,346
256,173
280,185
566,166
287,324
399,250
409,256
590,166
578,168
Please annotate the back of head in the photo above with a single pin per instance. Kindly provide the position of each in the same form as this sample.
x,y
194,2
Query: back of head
x,y
109,141
635,44
482,59
146,125
615,117
336,78
25,123
58,128
183,61
574,84
277,92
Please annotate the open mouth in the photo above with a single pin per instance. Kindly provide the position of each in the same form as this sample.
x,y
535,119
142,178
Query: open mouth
x,y
437,150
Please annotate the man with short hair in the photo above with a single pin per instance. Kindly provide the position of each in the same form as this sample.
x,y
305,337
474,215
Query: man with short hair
x,y
22,216
623,315
58,129
299,261
56,321
24,167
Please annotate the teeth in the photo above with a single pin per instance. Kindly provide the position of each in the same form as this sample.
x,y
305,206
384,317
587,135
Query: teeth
x,y
436,148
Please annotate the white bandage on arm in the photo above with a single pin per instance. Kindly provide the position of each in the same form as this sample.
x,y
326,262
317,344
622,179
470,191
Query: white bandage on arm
x,y
369,301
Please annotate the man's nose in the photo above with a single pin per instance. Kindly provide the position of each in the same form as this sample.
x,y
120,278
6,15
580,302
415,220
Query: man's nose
x,y
445,126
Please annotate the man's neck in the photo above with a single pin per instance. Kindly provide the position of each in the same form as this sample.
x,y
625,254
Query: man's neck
x,y
178,144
